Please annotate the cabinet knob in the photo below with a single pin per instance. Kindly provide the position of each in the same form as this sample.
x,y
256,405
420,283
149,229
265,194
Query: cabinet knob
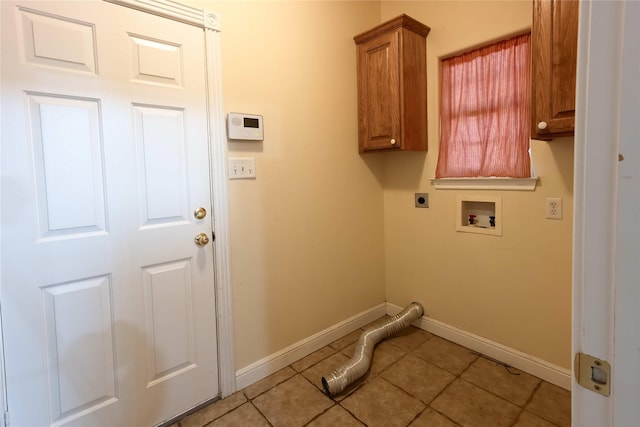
x,y
542,125
393,141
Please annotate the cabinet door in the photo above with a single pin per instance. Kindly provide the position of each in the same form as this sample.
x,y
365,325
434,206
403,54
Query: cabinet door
x,y
554,54
378,93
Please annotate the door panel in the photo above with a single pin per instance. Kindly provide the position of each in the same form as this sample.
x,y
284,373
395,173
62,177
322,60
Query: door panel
x,y
56,41
68,164
156,61
82,374
161,145
108,304
169,319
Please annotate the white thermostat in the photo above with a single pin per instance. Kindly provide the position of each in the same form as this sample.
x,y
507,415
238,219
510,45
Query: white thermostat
x,y
247,127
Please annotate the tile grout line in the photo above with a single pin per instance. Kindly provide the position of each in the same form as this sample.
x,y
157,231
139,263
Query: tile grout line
x,y
299,372
480,355
527,402
388,367
375,375
229,411
456,377
334,351
371,376
406,352
315,417
275,385
334,403
521,407
260,412
351,413
426,405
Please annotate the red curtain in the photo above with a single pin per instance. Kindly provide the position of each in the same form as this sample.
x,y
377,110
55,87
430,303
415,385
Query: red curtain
x,y
485,112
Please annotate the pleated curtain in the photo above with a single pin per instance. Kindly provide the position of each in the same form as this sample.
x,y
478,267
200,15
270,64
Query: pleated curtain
x,y
485,112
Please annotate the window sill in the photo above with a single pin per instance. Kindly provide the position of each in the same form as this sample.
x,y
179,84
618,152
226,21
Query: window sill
x,y
519,184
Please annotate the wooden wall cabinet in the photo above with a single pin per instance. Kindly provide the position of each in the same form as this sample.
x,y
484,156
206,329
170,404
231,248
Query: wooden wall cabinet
x,y
392,86
554,45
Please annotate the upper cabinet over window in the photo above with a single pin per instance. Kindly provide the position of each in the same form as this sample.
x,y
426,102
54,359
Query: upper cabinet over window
x,y
554,40
392,86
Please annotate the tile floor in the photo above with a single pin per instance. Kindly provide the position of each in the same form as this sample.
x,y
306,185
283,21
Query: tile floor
x,y
416,379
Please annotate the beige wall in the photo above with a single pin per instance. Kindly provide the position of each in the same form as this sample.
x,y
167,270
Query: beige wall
x,y
307,246
514,289
323,233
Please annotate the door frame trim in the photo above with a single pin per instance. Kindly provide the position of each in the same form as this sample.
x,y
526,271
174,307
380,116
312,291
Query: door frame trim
x,y
210,23
175,11
600,34
220,200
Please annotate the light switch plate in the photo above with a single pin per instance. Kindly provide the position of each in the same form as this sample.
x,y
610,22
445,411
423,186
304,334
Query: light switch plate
x,y
242,168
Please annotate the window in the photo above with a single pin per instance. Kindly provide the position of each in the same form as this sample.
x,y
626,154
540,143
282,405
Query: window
x,y
485,112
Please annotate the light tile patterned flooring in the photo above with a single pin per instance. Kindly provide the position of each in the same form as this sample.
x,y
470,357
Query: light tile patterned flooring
x,y
416,379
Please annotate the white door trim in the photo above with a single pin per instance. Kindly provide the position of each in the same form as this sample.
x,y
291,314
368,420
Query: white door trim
x,y
220,200
167,9
210,22
595,189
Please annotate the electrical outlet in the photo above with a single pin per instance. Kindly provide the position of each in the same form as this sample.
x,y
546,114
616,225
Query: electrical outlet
x,y
422,200
554,208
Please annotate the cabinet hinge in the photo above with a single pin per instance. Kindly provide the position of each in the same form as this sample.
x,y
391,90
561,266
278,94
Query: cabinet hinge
x,y
213,236
593,373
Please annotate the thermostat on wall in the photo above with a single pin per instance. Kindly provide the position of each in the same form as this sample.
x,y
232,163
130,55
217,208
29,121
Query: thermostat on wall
x,y
247,127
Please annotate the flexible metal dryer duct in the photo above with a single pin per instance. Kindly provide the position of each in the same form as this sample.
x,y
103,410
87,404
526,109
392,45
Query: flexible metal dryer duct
x,y
344,375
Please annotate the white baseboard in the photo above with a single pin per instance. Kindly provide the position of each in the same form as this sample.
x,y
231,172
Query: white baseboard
x,y
270,364
525,362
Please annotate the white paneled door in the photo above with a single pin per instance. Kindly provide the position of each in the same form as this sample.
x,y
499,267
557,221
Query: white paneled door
x,y
108,305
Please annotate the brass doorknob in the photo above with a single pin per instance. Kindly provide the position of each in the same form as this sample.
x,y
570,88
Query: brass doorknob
x,y
200,213
202,239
